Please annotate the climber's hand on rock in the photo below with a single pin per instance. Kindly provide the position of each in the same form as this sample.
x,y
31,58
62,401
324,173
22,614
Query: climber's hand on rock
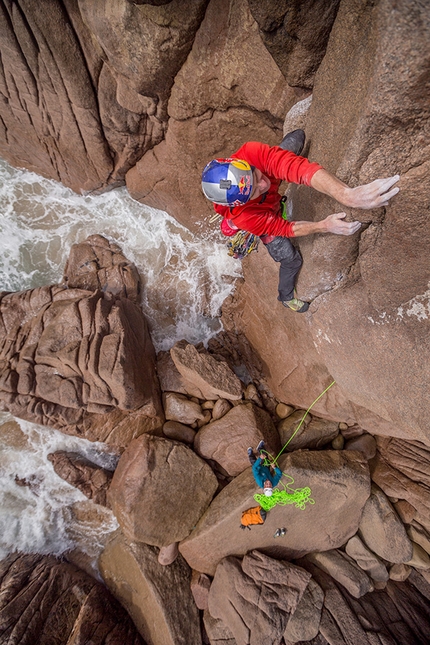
x,y
335,224
372,195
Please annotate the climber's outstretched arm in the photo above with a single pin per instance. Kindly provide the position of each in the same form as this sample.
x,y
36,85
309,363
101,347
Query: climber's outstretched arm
x,y
368,196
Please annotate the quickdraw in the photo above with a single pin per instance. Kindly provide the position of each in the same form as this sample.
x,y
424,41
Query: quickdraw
x,y
241,244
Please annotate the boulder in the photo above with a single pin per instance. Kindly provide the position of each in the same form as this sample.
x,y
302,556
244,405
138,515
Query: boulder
x,y
179,431
365,444
420,558
343,569
78,360
168,375
42,598
418,534
220,408
304,623
400,572
159,490
366,560
157,597
382,530
226,440
179,408
200,586
217,632
256,596
204,375
313,433
405,511
283,410
168,554
340,486
92,480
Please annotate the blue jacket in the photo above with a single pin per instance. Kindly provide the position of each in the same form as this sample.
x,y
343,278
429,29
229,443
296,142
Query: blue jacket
x,y
261,473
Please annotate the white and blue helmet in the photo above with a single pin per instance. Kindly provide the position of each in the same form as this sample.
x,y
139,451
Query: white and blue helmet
x,y
227,181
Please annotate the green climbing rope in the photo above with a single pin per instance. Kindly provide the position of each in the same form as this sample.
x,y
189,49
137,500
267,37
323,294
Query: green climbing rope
x,y
289,495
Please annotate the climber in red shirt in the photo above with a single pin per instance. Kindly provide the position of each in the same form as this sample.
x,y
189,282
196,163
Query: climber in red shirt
x,y
244,189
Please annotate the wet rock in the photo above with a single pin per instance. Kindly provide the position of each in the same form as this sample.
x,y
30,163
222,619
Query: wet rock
x,y
162,606
226,440
366,560
61,600
168,554
313,432
343,569
179,431
159,491
382,530
180,408
200,585
256,596
304,623
81,361
365,444
339,483
92,480
204,375
221,407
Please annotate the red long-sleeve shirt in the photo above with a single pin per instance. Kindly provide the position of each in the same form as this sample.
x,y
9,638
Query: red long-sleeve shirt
x,y
262,216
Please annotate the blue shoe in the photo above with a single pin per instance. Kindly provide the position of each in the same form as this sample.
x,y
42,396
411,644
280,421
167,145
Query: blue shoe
x,y
260,446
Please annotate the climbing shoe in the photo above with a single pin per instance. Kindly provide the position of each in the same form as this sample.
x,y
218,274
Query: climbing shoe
x,y
293,141
260,446
279,533
296,305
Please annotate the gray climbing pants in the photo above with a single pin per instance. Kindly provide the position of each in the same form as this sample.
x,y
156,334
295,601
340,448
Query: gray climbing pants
x,y
281,250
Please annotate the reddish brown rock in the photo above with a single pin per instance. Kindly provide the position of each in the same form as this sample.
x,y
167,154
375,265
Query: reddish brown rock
x,y
179,431
81,361
340,486
382,530
204,375
168,375
159,491
304,624
255,597
200,586
365,443
157,597
226,440
309,432
41,596
93,481
168,554
181,409
342,568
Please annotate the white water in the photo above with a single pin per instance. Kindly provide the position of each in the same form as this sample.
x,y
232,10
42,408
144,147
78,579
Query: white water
x,y
185,282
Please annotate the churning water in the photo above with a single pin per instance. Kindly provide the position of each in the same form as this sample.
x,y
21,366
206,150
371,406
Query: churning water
x,y
185,281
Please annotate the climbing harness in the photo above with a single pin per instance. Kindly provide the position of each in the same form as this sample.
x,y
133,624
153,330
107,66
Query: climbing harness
x,y
289,495
241,244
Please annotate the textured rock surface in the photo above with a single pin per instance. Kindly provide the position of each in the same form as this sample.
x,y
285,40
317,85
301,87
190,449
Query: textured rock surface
x,y
205,376
79,360
255,597
179,408
304,624
366,560
382,531
41,597
92,480
157,597
159,491
343,569
340,487
313,433
226,441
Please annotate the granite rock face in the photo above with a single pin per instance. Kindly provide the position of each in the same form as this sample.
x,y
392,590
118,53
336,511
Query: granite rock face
x,y
92,480
78,356
159,491
340,486
157,597
41,596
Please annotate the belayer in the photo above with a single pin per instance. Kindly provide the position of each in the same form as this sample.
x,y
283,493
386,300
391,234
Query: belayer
x,y
266,476
244,189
